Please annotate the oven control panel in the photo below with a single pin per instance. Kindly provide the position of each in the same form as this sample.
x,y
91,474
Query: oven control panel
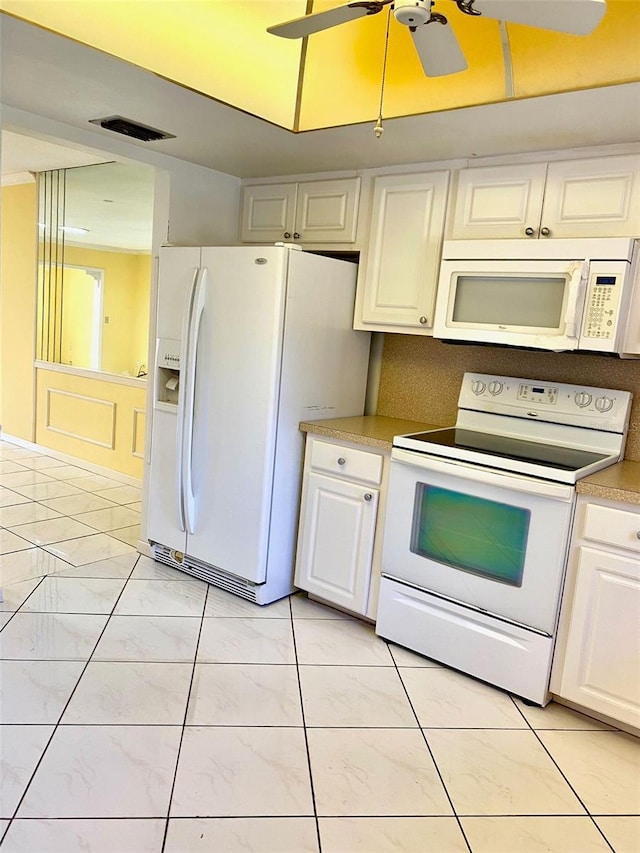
x,y
545,394
555,402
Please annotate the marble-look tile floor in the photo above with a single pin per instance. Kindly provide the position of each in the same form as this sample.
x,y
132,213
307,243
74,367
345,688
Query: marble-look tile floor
x,y
144,711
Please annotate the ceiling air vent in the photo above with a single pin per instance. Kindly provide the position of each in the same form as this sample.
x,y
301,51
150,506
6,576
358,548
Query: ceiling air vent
x,y
131,128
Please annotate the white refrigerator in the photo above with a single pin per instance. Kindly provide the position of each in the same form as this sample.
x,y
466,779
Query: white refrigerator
x,y
250,341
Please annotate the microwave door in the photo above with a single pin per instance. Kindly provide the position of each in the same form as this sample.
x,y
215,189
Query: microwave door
x,y
534,304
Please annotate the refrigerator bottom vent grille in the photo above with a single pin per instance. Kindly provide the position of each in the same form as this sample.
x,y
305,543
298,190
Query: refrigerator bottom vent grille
x,y
205,572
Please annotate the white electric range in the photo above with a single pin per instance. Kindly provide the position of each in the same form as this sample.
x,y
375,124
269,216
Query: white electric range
x,y
478,524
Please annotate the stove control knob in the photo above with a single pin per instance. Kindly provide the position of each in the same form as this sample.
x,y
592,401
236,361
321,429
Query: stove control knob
x,y
604,404
478,386
582,399
495,388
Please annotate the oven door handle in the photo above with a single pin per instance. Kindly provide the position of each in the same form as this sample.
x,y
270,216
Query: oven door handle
x,y
475,474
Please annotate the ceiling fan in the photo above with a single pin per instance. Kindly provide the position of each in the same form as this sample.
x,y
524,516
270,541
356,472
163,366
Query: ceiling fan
x,y
435,41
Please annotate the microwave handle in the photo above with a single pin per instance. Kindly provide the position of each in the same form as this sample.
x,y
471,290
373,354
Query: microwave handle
x,y
578,277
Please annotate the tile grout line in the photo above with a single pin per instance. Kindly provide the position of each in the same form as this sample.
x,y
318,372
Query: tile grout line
x,y
435,763
542,744
578,797
57,725
304,728
184,720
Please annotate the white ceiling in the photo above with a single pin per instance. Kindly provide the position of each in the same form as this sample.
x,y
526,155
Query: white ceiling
x,y
112,200
48,75
22,155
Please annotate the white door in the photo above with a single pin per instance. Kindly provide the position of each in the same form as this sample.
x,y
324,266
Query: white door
x,y
326,211
599,197
602,658
336,541
176,279
499,201
239,342
404,252
268,211
492,540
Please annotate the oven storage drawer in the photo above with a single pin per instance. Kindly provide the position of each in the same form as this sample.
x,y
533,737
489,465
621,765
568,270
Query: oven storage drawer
x,y
339,460
493,650
612,527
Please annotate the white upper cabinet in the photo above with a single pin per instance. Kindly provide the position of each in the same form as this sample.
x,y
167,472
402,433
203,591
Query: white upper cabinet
x,y
498,201
397,291
306,212
596,197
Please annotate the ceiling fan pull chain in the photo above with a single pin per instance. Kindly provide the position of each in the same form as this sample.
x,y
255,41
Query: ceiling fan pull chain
x,y
379,129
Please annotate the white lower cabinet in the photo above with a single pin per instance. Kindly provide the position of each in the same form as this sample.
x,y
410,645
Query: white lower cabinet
x,y
341,494
597,662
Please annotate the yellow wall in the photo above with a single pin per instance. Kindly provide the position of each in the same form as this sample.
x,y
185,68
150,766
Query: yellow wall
x,y
127,282
92,419
18,254
77,329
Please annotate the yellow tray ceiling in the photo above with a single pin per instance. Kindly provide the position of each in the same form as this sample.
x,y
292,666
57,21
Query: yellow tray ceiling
x,y
221,49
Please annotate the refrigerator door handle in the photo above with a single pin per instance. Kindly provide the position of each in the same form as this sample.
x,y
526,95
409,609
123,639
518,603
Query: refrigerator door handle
x,y
195,320
182,393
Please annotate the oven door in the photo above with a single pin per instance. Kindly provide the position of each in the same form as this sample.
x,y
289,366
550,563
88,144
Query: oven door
x,y
488,539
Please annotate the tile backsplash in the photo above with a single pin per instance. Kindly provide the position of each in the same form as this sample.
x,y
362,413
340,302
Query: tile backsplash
x,y
420,377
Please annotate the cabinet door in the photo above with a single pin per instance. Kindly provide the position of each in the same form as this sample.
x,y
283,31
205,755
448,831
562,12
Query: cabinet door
x,y
403,260
602,659
326,211
268,212
336,541
599,197
499,201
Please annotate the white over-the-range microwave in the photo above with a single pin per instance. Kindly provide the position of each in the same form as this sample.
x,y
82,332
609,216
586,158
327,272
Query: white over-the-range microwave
x,y
555,294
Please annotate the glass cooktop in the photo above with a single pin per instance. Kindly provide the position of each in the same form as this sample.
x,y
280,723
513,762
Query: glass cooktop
x,y
490,444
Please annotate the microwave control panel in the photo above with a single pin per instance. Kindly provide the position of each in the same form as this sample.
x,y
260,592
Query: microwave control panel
x,y
602,305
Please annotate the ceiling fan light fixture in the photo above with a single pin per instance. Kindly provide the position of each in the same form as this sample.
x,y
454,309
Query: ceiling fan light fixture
x,y
412,13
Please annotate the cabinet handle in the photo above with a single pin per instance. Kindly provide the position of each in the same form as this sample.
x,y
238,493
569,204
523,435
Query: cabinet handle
x,y
368,496
296,236
546,232
287,234
341,460
530,231
423,321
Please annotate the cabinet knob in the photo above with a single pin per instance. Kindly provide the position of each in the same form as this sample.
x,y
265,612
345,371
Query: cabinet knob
x,y
638,534
287,234
341,460
546,232
423,321
296,236
530,231
369,497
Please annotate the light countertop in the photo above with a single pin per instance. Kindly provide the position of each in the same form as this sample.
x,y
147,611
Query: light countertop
x,y
370,430
619,482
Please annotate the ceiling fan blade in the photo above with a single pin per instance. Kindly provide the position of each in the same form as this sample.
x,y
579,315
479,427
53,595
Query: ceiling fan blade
x,y
309,24
579,17
438,49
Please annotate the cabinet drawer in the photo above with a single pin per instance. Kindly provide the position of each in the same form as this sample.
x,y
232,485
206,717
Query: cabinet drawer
x,y
612,526
346,461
